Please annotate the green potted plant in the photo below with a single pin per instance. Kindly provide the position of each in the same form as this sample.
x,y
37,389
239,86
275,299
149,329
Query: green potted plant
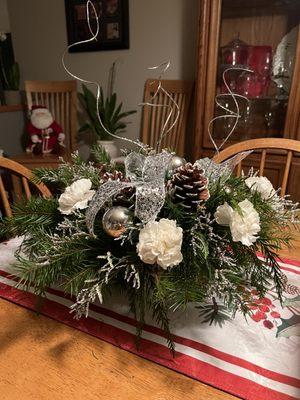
x,y
111,115
12,80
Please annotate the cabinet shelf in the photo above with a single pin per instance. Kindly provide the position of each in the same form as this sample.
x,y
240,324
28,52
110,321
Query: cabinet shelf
x,y
266,98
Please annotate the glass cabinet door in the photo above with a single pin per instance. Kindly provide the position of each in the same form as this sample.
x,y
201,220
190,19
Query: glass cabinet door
x,y
258,38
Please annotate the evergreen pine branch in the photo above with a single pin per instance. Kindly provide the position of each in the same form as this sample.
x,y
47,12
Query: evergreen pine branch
x,y
100,155
67,173
31,215
160,308
139,305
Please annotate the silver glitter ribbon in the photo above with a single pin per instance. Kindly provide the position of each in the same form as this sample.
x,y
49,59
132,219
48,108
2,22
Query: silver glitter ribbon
x,y
147,176
214,171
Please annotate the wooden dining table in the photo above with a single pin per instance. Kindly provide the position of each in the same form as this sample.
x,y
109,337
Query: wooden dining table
x,y
42,359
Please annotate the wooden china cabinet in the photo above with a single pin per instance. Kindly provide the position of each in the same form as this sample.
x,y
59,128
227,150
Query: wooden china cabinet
x,y
263,37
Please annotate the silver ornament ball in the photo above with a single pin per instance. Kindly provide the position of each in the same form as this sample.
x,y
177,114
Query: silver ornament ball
x,y
228,190
175,163
116,221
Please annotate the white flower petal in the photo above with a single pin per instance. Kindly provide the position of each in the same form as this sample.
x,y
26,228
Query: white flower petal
x,y
244,223
160,242
262,185
223,214
244,228
76,196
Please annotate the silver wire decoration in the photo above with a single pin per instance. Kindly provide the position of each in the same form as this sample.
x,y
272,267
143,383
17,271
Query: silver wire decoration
x,y
229,113
165,66
213,170
93,37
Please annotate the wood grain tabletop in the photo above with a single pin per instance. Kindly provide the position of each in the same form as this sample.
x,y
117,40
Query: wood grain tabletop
x,y
41,359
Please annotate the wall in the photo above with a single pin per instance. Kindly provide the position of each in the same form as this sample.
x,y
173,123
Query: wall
x,y
4,19
159,30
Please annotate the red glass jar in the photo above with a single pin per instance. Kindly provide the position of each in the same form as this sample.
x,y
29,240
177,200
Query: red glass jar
x,y
235,53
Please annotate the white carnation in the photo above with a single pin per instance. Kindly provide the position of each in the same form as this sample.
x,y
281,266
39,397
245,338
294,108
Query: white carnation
x,y
76,196
262,185
244,224
160,242
223,214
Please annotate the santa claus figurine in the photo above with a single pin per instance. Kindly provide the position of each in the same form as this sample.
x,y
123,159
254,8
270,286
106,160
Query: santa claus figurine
x,y
46,135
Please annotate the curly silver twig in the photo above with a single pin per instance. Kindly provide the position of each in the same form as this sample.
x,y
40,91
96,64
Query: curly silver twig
x,y
165,66
232,114
93,37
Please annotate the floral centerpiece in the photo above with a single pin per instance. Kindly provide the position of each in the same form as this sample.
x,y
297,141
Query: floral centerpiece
x,y
164,232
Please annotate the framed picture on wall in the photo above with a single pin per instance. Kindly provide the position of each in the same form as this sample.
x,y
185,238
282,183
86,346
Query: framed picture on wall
x,y
113,20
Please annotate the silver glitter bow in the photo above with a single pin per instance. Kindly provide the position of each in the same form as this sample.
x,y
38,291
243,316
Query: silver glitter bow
x,y
214,171
147,176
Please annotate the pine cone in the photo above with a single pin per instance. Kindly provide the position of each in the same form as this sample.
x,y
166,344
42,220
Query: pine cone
x,y
126,198
114,176
189,186
102,168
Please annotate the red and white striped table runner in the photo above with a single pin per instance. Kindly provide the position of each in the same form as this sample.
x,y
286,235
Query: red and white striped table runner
x,y
257,359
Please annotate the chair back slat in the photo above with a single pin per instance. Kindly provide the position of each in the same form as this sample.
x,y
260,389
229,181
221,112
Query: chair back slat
x,y
62,109
67,112
288,146
154,118
169,114
262,162
164,100
152,124
239,169
157,126
52,107
60,97
171,137
286,172
26,188
47,100
182,106
4,198
20,177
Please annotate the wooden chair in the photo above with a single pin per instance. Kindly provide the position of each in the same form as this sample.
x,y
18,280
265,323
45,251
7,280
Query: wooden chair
x,y
61,99
20,172
286,146
154,117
